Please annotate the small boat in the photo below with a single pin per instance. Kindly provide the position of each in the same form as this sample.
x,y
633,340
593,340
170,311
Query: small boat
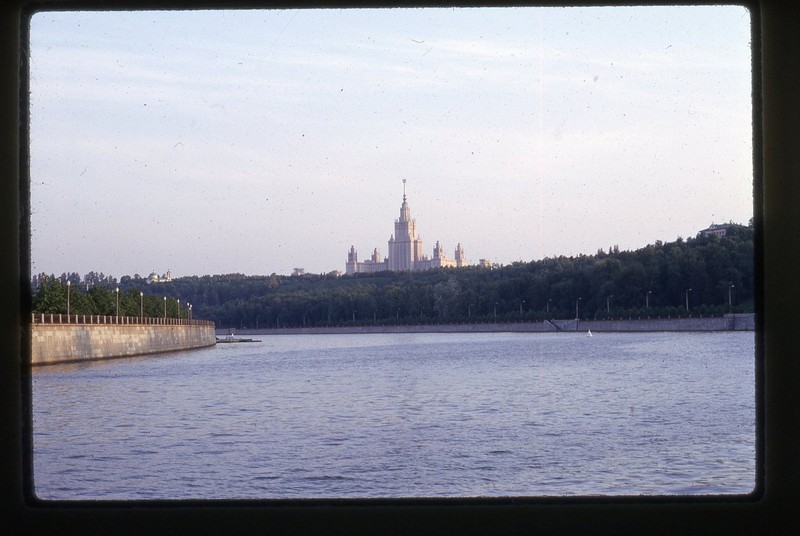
x,y
229,338
589,333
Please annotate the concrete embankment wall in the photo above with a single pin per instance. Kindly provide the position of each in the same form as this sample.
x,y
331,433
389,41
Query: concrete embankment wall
x,y
62,343
417,328
738,322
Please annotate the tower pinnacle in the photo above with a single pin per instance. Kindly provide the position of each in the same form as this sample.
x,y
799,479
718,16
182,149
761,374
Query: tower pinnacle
x,y
405,212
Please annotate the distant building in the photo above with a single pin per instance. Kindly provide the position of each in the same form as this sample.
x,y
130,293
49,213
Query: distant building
x,y
715,229
155,278
405,250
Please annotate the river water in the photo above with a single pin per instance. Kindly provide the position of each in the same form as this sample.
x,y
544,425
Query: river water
x,y
404,415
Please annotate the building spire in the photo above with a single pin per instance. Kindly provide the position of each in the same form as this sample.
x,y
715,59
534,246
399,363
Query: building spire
x,y
405,212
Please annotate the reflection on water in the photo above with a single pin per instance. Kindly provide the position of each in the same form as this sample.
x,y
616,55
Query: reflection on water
x,y
404,415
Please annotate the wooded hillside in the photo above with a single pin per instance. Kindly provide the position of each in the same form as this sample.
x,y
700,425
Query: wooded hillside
x,y
717,274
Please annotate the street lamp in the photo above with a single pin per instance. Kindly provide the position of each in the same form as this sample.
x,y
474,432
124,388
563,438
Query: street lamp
x,y
117,291
179,307
165,307
547,305
608,303
190,311
141,306
520,307
647,299
688,290
577,303
69,283
730,301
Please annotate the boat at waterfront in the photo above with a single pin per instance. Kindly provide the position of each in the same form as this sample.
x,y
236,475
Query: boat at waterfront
x,y
230,338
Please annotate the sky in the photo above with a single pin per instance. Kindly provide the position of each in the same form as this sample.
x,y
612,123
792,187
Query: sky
x,y
256,142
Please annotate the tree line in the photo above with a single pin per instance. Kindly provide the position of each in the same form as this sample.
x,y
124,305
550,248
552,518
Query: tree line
x,y
703,275
86,296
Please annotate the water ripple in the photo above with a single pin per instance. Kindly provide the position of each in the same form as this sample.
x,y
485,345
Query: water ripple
x,y
431,415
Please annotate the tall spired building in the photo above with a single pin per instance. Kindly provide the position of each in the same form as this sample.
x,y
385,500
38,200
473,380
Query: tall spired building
x,y
405,250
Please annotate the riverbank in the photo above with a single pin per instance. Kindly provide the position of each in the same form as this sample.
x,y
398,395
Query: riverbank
x,y
731,322
107,337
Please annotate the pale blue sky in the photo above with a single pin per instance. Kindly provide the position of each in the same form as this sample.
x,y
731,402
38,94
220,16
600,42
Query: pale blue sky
x,y
259,141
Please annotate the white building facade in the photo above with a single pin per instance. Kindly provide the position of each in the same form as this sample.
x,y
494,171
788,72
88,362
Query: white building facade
x,y
405,250
155,278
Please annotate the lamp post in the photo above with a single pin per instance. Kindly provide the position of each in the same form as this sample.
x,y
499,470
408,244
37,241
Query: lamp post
x,y
520,307
577,303
179,307
547,305
141,306
647,299
608,303
730,300
69,283
190,312
117,291
165,307
688,290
